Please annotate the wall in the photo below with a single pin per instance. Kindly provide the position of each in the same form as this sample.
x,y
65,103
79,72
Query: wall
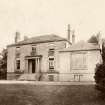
x,y
86,74
25,50
11,59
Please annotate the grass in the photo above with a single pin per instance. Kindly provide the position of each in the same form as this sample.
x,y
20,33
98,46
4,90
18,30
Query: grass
x,y
49,95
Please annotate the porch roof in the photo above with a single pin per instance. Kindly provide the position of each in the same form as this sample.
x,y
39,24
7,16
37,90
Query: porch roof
x,y
33,57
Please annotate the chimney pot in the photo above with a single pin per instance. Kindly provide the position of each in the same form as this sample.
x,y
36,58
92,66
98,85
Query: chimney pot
x,y
73,37
69,30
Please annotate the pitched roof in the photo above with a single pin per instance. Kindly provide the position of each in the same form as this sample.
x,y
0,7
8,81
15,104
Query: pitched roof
x,y
40,39
82,46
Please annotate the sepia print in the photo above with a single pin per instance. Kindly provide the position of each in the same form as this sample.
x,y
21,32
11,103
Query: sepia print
x,y
52,52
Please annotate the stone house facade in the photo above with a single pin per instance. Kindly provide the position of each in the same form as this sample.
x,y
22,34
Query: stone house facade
x,y
35,58
79,62
47,58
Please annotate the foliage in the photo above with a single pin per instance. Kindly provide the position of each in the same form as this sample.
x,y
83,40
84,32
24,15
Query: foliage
x,y
3,64
103,52
93,39
100,74
100,77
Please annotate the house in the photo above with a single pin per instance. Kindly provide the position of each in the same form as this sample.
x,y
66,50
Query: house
x,y
35,58
78,62
52,58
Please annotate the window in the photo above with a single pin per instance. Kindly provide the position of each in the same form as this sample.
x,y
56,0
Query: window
x,y
51,52
51,78
51,63
51,58
17,64
78,61
33,50
18,49
17,52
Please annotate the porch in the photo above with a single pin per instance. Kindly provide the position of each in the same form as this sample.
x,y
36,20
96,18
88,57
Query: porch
x,y
32,68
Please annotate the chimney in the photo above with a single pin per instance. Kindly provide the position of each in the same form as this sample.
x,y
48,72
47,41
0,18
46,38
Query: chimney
x,y
17,37
73,37
25,37
68,32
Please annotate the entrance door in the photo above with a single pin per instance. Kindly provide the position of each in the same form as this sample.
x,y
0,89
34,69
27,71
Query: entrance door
x,y
33,65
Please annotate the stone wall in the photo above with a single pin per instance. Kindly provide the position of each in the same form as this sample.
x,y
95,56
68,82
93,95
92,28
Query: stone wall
x,y
25,50
69,73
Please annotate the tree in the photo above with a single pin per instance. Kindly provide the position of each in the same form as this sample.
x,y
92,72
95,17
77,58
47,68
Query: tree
x,y
3,64
100,73
93,39
4,59
103,52
100,77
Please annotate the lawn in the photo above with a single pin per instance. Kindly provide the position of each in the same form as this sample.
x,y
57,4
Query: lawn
x,y
12,94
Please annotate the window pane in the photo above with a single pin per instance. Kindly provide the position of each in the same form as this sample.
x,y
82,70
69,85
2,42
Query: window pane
x,y
51,52
33,50
17,64
51,77
51,63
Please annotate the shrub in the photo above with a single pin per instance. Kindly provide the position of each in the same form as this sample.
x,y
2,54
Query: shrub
x,y
100,77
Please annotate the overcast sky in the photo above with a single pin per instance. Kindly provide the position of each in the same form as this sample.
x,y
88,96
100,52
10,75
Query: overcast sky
x,y
39,17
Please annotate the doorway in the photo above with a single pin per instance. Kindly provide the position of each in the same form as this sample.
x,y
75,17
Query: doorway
x,y
33,65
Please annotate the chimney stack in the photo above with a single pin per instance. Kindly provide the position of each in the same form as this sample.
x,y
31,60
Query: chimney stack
x,y
68,31
25,37
17,37
73,37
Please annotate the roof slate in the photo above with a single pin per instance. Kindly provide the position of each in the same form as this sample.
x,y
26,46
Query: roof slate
x,y
40,39
82,46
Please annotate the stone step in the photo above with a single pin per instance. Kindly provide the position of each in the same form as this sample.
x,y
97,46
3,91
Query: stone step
x,y
25,77
29,77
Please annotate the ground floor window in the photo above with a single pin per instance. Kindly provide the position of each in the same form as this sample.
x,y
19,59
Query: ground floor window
x,y
17,64
51,78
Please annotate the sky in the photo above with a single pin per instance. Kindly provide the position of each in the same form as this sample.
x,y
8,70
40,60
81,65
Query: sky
x,y
41,17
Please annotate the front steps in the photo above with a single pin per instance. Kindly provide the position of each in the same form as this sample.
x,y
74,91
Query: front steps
x,y
29,77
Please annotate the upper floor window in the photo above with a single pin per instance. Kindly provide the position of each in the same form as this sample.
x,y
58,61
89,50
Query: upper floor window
x,y
51,52
33,50
51,63
17,48
17,52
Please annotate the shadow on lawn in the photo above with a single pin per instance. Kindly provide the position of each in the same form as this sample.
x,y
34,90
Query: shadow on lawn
x,y
49,95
